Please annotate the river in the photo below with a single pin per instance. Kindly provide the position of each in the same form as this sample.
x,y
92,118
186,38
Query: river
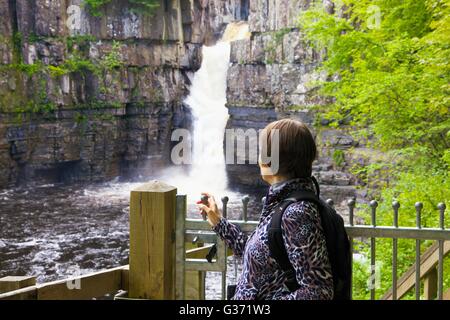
x,y
57,231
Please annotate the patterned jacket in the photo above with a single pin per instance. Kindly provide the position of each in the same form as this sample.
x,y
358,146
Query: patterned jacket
x,y
262,278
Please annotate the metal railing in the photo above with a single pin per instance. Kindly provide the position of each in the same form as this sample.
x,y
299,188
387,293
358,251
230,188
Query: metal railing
x,y
199,231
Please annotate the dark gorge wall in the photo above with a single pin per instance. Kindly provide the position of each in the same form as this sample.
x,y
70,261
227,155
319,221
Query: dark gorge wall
x,y
86,97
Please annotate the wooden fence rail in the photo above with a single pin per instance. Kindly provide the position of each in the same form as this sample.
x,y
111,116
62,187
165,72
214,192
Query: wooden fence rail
x,y
167,255
151,272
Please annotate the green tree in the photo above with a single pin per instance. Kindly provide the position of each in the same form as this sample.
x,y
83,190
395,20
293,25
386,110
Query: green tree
x,y
387,63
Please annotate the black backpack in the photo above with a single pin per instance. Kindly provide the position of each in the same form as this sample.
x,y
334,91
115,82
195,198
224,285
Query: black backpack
x,y
338,244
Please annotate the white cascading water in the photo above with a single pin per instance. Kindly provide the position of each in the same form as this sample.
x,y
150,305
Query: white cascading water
x,y
207,100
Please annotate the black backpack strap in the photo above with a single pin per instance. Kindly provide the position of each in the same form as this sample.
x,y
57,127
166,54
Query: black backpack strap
x,y
275,236
316,184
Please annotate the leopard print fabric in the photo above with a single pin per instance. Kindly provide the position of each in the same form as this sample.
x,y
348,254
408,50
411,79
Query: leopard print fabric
x,y
262,278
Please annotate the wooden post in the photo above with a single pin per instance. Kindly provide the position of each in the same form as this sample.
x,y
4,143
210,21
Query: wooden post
x,y
430,285
180,245
194,285
11,283
152,243
195,280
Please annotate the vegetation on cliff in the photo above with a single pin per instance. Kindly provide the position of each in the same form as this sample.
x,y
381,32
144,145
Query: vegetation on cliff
x,y
38,75
389,73
147,7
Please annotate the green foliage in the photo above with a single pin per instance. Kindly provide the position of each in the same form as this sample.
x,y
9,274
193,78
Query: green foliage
x,y
76,63
40,103
269,60
17,40
43,108
73,64
410,187
32,107
276,40
113,59
82,41
147,7
94,6
80,118
29,69
338,157
33,38
393,79
57,71
388,71
279,34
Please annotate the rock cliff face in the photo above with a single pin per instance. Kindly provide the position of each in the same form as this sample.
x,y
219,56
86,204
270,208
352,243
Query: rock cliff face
x,y
269,78
85,98
88,98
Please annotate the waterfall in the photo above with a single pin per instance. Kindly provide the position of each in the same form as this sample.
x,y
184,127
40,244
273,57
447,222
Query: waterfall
x,y
207,100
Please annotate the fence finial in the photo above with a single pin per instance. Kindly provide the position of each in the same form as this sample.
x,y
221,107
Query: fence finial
x,y
441,207
373,204
225,200
330,202
204,199
351,206
419,206
395,206
351,202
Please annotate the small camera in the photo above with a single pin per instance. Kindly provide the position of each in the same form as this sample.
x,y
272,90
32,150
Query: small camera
x,y
204,200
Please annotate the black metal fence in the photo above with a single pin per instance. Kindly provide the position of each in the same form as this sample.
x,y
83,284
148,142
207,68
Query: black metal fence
x,y
428,266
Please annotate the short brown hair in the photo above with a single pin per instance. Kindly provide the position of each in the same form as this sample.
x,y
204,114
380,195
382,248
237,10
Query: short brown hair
x,y
297,148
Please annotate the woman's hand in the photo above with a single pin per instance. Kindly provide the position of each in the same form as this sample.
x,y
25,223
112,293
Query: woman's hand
x,y
211,209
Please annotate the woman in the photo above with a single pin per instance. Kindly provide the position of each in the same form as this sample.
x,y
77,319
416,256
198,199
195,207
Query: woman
x,y
262,277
